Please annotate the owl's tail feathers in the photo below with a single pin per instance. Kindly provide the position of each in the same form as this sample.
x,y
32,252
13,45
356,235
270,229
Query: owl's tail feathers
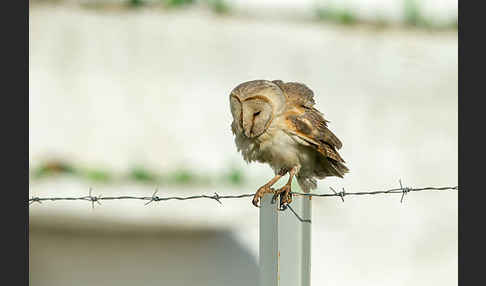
x,y
307,184
337,168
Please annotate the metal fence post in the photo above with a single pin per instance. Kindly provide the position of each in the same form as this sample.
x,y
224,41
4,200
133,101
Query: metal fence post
x,y
285,243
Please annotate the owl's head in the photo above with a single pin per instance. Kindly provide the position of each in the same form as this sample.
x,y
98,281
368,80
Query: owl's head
x,y
254,104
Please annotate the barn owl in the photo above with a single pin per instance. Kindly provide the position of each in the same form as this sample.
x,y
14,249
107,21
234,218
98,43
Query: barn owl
x,y
274,122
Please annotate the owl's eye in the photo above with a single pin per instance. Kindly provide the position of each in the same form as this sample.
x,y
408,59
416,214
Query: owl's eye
x,y
256,113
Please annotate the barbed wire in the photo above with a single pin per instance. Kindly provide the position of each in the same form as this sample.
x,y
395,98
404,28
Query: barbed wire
x,y
155,198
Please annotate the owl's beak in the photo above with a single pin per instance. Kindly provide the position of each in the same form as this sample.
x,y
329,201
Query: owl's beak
x,y
248,133
247,124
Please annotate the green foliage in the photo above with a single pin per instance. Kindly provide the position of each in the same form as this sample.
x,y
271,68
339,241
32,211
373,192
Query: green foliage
x,y
411,12
412,17
98,175
342,16
141,174
235,177
346,17
181,176
136,3
178,3
219,6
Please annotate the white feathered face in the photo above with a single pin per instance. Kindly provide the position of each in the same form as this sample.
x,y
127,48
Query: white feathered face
x,y
252,114
253,106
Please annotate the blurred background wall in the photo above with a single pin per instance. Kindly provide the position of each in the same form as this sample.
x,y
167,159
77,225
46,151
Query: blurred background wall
x,y
128,96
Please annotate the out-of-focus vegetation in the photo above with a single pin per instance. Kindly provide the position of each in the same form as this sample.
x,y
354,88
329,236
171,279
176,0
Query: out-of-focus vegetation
x,y
218,6
413,16
135,2
412,13
338,15
138,174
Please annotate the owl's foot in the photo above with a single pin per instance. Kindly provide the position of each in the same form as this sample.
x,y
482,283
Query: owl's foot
x,y
285,196
260,193
265,189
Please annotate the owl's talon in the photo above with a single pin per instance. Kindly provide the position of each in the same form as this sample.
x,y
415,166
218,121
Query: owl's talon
x,y
285,196
276,194
255,201
259,194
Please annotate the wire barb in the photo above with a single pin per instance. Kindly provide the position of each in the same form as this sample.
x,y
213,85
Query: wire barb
x,y
340,194
35,200
93,199
404,190
217,198
154,198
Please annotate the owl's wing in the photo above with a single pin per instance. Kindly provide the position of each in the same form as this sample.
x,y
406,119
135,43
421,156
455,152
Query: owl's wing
x,y
310,127
298,94
301,97
308,124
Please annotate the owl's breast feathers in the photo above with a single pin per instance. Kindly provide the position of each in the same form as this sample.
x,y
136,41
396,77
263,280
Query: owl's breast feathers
x,y
274,147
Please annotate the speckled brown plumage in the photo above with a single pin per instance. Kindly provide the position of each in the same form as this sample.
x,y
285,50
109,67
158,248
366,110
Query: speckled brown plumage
x,y
297,93
312,127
